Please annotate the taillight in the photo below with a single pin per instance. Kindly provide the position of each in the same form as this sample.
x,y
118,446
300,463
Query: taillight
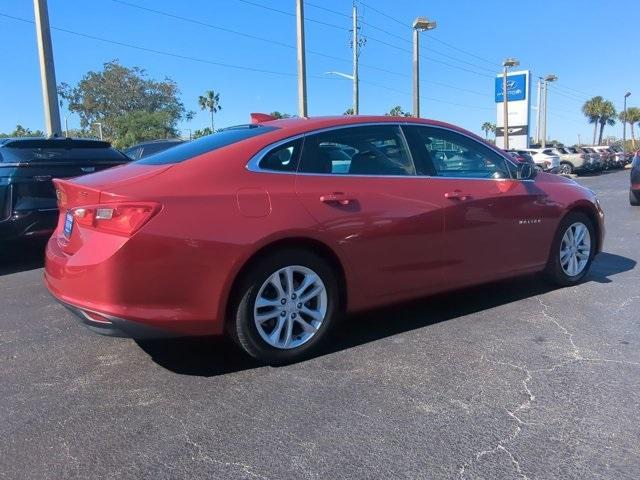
x,y
582,155
547,164
121,218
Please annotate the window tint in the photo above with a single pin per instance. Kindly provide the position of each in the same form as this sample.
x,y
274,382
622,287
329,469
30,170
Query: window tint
x,y
79,155
283,158
455,155
366,150
548,151
221,138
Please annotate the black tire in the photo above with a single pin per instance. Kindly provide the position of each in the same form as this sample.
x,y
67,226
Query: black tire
x,y
554,271
634,198
241,326
566,168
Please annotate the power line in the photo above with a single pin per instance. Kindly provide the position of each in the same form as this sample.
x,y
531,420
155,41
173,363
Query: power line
x,y
320,7
290,14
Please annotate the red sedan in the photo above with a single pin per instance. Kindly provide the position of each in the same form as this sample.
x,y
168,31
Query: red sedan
x,y
270,231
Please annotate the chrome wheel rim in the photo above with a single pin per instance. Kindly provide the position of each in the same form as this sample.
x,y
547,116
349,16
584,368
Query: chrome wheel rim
x,y
565,169
575,249
290,307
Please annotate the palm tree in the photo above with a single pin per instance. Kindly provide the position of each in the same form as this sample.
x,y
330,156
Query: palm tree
x,y
607,117
591,110
488,127
210,101
348,111
632,117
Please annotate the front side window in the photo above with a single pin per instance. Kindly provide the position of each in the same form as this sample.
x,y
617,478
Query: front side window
x,y
455,155
366,150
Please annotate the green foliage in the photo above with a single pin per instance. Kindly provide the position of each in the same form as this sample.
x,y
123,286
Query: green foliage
x,y
109,95
599,112
210,101
135,127
21,131
278,114
488,127
632,117
397,111
201,133
348,111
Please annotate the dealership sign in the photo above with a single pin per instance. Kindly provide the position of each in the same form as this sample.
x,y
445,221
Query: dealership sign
x,y
519,99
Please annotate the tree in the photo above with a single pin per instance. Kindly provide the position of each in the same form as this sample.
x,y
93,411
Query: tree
x,y
607,117
21,131
632,117
106,96
135,127
278,114
348,111
210,101
397,112
201,133
591,110
488,127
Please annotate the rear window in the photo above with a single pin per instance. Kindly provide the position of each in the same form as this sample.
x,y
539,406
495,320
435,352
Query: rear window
x,y
206,144
10,154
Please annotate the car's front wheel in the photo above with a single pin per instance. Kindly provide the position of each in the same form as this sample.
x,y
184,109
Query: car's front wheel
x,y
634,198
572,250
286,304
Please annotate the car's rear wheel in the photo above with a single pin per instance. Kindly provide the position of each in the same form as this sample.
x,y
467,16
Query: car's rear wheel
x,y
572,250
565,168
286,304
634,198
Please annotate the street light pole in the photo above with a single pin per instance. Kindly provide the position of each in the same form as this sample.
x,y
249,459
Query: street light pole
x,y
47,69
624,128
547,79
538,111
420,24
302,67
509,62
356,47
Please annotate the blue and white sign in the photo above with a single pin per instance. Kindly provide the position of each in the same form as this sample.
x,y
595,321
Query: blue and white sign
x,y
519,107
516,88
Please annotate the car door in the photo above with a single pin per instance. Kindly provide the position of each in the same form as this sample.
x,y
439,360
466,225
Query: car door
x,y
495,225
360,184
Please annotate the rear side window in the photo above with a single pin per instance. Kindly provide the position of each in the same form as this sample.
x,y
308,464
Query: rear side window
x,y
548,152
212,142
366,150
283,158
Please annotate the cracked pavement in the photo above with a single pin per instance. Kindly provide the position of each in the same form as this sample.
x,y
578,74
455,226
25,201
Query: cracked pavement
x,y
511,380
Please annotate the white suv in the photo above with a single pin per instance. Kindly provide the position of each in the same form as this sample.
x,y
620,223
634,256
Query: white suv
x,y
545,158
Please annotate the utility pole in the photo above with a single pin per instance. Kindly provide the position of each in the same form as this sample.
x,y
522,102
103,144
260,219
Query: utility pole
x,y
47,70
538,111
420,24
356,48
545,85
624,128
579,140
302,67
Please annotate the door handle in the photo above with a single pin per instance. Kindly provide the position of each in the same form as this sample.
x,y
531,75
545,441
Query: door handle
x,y
457,195
336,198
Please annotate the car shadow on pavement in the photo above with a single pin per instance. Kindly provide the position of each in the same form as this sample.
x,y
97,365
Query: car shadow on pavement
x,y
16,258
208,357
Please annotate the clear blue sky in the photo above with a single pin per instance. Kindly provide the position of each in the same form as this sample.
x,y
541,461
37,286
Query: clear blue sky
x,y
590,45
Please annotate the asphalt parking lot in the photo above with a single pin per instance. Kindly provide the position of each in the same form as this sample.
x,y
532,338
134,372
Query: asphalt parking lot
x,y
511,380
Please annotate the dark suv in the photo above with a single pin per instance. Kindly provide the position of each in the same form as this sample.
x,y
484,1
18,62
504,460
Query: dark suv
x,y
28,207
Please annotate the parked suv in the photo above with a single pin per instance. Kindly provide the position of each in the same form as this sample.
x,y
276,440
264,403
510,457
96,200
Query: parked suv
x,y
27,166
572,161
545,158
634,189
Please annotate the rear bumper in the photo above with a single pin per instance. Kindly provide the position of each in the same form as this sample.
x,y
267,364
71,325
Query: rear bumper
x,y
112,326
29,224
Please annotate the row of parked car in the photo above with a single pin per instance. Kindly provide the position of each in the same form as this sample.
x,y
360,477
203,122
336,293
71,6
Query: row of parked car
x,y
578,160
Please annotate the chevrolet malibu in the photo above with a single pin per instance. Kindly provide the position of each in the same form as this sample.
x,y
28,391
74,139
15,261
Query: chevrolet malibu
x,y
269,232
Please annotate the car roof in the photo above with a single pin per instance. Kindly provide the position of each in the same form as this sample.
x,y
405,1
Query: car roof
x,y
295,125
159,140
56,142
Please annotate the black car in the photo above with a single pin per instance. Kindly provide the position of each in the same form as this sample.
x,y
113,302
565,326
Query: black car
x,y
144,149
634,189
28,207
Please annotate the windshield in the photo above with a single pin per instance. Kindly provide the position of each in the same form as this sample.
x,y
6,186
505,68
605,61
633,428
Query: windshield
x,y
221,138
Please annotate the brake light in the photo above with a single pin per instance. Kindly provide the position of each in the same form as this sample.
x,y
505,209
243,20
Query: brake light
x,y
121,219
547,164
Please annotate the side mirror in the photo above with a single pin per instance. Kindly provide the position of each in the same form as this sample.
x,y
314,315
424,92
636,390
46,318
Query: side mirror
x,y
527,171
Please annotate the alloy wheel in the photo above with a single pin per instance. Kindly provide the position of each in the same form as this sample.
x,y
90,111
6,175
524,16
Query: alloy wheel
x,y
565,169
575,249
290,307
